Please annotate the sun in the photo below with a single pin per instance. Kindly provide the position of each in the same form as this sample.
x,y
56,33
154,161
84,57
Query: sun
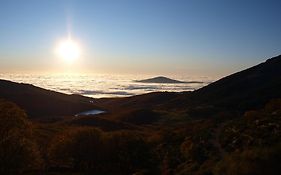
x,y
68,50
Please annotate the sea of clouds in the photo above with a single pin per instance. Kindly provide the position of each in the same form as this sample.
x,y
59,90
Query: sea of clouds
x,y
99,86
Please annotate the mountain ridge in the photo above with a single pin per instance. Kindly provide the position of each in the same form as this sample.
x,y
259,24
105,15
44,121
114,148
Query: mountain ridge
x,y
249,88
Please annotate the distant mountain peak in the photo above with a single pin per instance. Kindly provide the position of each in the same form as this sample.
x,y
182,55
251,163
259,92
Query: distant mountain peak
x,y
164,80
159,79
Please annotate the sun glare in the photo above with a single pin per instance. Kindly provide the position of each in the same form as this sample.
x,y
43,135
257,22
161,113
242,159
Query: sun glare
x,y
68,50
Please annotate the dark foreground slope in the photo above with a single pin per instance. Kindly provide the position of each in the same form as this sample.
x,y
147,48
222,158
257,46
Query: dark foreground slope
x,y
41,102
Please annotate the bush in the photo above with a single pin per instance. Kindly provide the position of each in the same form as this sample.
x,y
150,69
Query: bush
x,y
77,148
18,151
93,151
129,152
258,161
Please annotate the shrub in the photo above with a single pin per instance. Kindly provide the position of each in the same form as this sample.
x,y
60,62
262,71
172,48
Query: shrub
x,y
77,148
129,152
18,151
93,151
258,161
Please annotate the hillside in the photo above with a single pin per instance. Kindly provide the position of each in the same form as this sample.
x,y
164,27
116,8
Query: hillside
x,y
250,88
256,85
38,102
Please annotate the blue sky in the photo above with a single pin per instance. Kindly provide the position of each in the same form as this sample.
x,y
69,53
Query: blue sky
x,y
204,37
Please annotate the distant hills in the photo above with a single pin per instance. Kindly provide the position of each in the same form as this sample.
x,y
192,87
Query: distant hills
x,y
161,79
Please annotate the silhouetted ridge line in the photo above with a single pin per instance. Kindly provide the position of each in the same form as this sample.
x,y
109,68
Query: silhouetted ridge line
x,y
243,90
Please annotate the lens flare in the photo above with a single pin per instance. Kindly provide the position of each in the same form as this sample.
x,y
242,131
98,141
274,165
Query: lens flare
x,y
69,50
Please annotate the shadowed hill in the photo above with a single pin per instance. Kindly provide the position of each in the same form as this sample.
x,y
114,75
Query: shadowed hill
x,y
250,88
139,101
38,102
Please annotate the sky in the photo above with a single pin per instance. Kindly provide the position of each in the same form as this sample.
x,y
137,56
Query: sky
x,y
195,37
